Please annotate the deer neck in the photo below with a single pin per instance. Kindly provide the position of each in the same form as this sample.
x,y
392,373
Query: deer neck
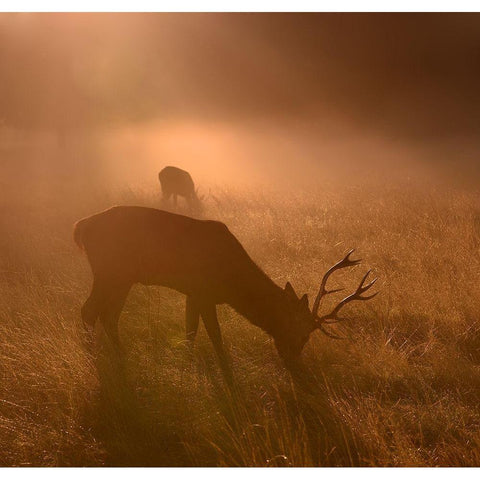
x,y
261,302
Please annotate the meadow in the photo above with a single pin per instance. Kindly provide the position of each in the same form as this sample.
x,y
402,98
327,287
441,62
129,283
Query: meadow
x,y
402,388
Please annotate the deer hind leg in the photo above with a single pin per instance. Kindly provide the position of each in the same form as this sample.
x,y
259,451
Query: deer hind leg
x,y
111,311
166,197
91,311
192,319
209,316
92,307
192,204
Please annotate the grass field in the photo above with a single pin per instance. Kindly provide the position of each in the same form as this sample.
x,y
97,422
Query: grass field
x,y
401,390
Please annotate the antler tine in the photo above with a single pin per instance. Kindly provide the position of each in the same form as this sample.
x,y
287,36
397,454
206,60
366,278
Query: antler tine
x,y
345,262
332,317
363,288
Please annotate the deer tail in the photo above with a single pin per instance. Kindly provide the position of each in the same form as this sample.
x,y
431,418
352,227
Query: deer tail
x,y
79,234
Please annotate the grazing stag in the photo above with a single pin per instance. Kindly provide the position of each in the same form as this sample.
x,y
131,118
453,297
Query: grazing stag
x,y
203,260
177,182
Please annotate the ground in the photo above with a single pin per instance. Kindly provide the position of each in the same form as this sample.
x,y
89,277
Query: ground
x,y
402,389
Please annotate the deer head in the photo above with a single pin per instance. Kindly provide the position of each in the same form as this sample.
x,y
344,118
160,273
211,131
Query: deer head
x,y
302,321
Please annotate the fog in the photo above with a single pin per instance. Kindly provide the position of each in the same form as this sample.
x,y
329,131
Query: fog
x,y
272,99
307,135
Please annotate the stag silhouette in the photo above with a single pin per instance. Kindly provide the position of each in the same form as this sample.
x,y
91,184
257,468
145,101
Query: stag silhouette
x,y
177,182
206,262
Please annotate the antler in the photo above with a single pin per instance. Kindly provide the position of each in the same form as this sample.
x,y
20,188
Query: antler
x,y
333,317
346,262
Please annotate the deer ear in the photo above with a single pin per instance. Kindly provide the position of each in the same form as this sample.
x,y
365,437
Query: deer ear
x,y
290,292
304,302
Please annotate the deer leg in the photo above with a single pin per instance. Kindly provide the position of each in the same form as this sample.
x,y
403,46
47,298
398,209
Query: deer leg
x,y
209,316
192,319
166,198
192,204
111,313
91,308
90,312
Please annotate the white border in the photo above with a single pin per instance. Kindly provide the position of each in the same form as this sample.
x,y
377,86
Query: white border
x,y
240,6
239,473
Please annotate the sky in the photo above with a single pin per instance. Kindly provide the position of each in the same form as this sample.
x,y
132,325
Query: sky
x,y
402,78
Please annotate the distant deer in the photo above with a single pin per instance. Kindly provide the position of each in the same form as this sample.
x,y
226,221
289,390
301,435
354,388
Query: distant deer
x,y
203,260
177,182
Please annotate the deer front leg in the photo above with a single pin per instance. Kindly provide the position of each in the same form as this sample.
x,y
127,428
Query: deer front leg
x,y
192,319
209,316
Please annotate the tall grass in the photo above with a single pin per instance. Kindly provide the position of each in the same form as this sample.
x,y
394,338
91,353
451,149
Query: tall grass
x,y
402,389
